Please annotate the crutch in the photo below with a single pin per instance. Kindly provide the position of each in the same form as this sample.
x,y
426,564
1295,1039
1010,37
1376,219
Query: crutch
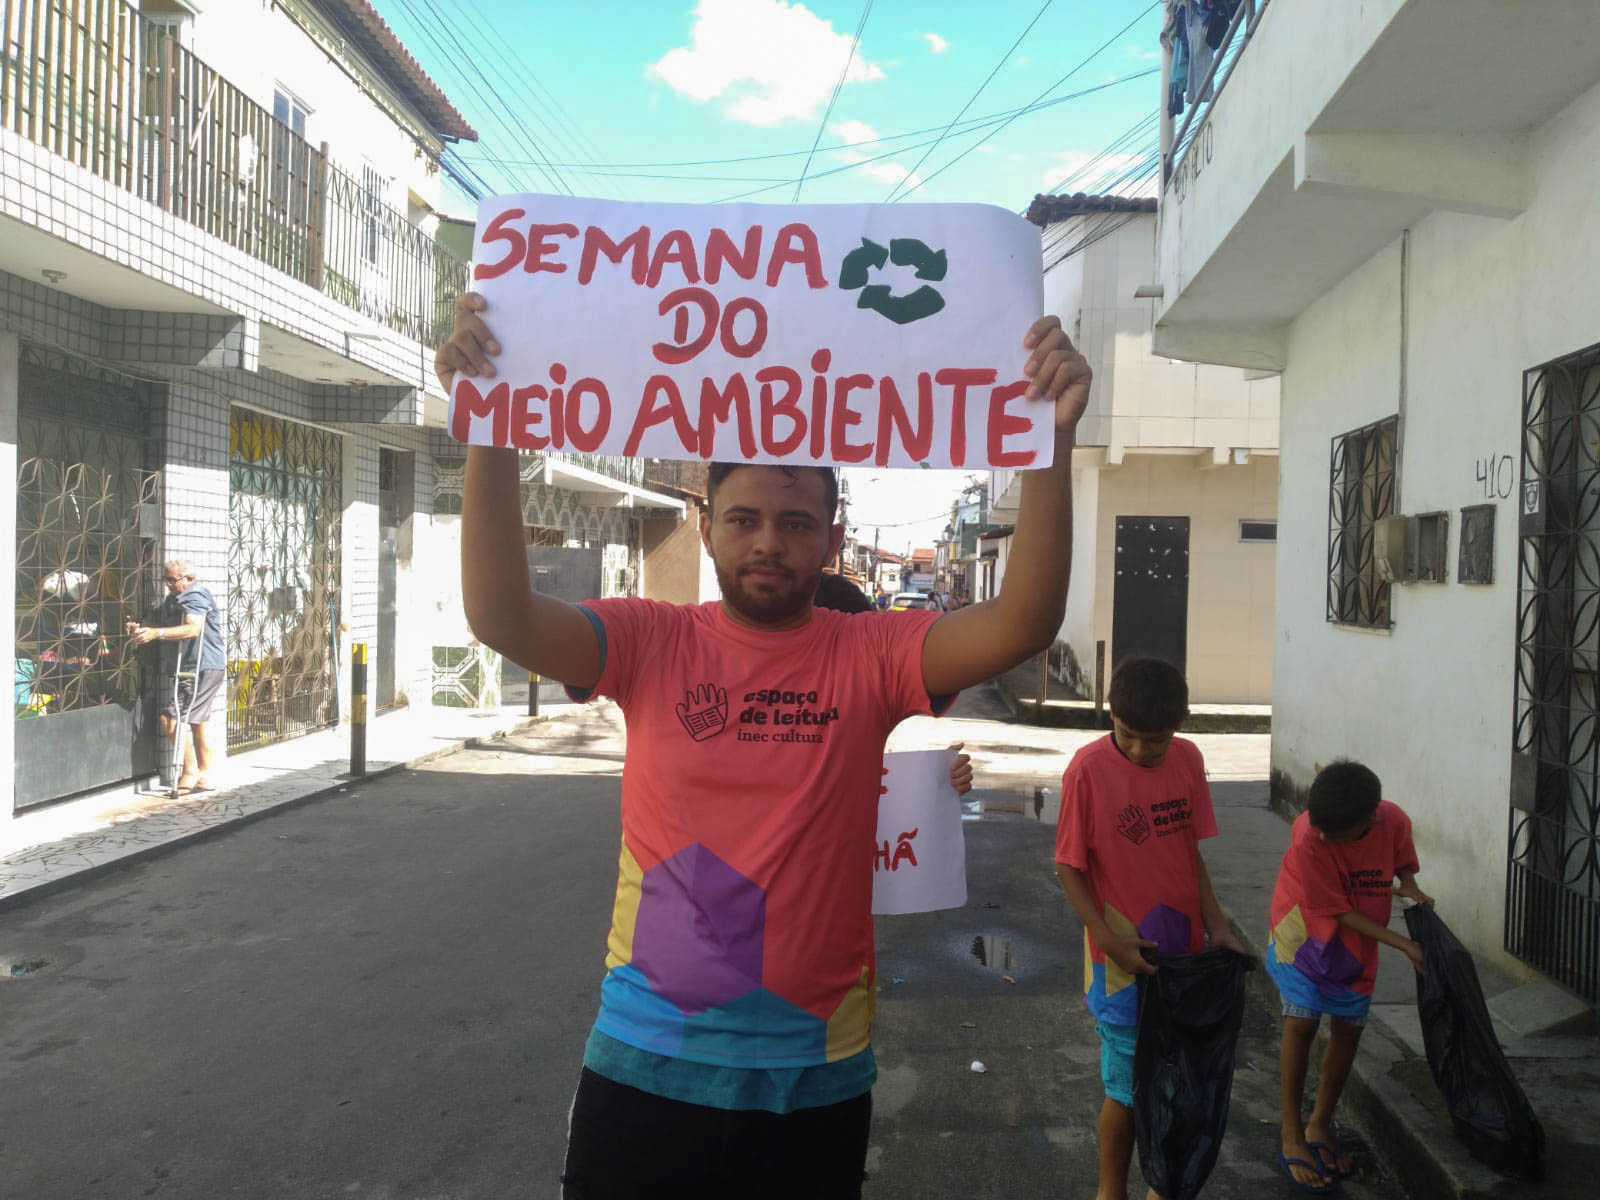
x,y
180,718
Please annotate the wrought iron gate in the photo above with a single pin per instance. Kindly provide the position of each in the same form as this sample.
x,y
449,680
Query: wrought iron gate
x,y
87,519
1553,861
283,579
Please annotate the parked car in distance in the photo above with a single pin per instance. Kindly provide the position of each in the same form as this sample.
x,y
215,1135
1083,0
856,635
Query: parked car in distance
x,y
906,601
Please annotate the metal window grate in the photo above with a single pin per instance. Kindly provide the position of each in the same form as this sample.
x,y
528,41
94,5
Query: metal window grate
x,y
1553,856
284,511
1361,477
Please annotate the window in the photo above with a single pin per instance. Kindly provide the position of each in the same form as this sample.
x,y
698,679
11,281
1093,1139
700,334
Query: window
x,y
1476,562
1433,542
373,186
1361,479
290,167
1258,531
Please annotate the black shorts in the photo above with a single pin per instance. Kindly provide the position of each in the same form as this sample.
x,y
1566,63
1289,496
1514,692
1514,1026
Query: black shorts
x,y
194,700
626,1144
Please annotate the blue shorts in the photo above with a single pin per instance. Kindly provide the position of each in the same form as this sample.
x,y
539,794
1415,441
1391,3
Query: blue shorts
x,y
1116,1060
1291,1009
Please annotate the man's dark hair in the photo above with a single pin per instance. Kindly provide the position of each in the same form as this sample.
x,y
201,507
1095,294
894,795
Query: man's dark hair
x,y
718,471
838,593
1343,795
1148,695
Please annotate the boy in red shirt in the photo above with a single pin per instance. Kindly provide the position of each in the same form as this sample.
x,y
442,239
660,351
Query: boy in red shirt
x,y
1330,909
1134,806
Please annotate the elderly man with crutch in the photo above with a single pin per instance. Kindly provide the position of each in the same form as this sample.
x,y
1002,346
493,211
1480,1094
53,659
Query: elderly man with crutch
x,y
188,614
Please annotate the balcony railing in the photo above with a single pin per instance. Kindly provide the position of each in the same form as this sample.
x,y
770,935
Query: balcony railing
x,y
1176,144
612,466
687,477
96,84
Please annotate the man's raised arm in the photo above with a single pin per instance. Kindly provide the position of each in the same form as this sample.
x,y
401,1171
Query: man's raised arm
x,y
981,641
547,636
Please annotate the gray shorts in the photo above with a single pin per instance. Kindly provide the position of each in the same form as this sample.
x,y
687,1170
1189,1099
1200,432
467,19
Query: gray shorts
x,y
195,699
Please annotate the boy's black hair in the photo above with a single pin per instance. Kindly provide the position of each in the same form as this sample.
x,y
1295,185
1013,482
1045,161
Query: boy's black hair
x,y
1148,695
838,593
718,471
1343,795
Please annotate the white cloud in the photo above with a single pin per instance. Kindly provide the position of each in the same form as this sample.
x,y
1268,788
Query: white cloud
x,y
1064,163
854,131
766,61
936,44
1140,54
884,170
1022,61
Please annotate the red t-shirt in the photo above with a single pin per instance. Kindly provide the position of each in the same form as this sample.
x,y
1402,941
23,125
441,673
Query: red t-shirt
x,y
742,931
1134,832
1321,881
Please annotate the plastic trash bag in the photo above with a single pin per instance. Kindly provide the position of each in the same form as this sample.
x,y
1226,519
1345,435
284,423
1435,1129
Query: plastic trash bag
x,y
1190,1011
1487,1105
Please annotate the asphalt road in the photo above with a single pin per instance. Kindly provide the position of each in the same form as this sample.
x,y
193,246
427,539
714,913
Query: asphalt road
x,y
384,996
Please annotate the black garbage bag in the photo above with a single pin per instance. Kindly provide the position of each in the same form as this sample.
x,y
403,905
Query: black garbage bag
x,y
1488,1107
1190,1011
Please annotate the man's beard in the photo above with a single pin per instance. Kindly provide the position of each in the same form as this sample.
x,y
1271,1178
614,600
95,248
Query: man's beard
x,y
767,603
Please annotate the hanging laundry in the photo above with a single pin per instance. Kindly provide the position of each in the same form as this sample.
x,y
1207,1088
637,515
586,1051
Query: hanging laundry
x,y
1200,53
1221,19
1178,82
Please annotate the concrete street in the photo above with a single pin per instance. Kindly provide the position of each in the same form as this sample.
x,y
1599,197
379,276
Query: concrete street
x,y
383,995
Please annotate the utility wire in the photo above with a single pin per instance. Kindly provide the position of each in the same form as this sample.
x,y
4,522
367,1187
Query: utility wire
x,y
522,78
967,126
900,150
1005,58
922,182
861,26
524,136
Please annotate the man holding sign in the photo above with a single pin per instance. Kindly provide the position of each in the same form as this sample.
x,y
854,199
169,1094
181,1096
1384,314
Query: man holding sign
x,y
731,1054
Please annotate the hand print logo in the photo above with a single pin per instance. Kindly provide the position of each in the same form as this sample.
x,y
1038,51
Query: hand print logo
x,y
1131,824
704,712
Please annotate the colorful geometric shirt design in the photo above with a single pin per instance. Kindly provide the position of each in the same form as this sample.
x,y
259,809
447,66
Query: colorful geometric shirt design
x,y
741,936
1135,834
1321,881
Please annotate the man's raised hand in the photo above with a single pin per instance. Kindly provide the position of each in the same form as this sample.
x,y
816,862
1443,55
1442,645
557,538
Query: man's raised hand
x,y
1057,372
469,345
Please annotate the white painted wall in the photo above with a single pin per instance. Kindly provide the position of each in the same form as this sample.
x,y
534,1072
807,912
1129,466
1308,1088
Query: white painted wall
x,y
1139,400
1429,704
259,47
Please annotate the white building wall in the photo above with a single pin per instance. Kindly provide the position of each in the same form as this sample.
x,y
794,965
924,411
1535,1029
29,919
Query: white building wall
x,y
260,48
1428,705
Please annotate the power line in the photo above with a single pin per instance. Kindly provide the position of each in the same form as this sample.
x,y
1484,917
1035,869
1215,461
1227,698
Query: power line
x,y
1005,58
1040,96
524,78
967,126
891,153
525,137
861,26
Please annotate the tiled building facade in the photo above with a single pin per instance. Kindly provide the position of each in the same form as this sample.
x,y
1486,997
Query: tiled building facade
x,y
215,346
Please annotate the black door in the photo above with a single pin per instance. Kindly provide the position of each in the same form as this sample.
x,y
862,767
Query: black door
x,y
1150,602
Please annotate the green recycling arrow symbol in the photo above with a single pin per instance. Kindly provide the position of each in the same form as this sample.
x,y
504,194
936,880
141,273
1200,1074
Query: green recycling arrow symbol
x,y
902,252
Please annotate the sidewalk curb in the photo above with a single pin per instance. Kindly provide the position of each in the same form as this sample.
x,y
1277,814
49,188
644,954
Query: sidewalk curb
x,y
50,886
1418,1147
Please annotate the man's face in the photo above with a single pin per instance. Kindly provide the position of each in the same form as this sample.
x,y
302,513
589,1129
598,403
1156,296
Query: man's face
x,y
177,582
769,535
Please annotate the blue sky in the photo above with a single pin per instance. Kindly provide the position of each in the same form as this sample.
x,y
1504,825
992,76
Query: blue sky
x,y
634,99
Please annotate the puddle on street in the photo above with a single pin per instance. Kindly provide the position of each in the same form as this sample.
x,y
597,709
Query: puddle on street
x,y
997,953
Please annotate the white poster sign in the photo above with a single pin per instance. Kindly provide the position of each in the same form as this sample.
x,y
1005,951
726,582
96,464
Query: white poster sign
x,y
849,334
919,863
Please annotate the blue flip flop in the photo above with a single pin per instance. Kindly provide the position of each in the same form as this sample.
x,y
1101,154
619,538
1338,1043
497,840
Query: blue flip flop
x,y
1327,1160
1285,1163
